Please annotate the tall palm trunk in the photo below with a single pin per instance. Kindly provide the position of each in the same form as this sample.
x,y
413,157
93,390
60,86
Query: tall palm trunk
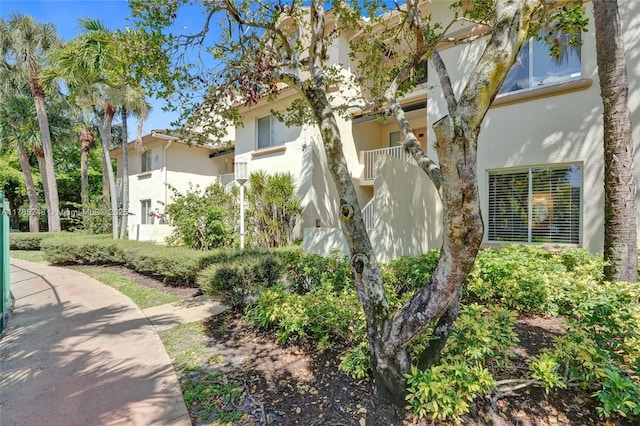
x,y
50,187
86,139
620,239
125,175
105,135
41,165
34,210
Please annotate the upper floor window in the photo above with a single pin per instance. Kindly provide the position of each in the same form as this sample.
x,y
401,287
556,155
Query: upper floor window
x,y
535,67
146,162
536,204
270,132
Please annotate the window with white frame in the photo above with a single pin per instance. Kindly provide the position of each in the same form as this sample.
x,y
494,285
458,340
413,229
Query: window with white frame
x,y
145,162
145,212
535,67
536,204
270,132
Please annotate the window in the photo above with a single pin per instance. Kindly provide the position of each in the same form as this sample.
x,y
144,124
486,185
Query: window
x,y
535,67
145,212
270,132
146,162
536,204
394,138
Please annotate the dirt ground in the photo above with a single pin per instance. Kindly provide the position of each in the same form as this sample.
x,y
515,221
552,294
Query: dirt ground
x,y
294,384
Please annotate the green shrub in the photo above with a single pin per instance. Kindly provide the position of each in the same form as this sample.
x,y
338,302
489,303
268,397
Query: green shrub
x,y
307,272
27,240
600,351
483,338
408,274
238,281
202,219
83,249
323,315
273,210
173,265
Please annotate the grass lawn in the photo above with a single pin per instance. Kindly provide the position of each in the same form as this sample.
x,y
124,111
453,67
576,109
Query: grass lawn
x,y
142,296
28,255
207,392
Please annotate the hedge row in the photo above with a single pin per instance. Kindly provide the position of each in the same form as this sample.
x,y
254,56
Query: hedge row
x,y
28,240
178,266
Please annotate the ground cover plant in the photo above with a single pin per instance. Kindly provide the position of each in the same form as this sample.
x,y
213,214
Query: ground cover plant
x,y
598,350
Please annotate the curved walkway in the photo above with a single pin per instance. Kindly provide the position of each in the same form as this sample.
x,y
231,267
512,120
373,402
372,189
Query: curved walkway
x,y
77,352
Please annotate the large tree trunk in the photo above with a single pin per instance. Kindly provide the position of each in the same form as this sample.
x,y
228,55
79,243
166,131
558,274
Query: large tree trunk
x,y
34,209
41,165
86,140
620,240
456,179
105,135
125,175
106,190
51,188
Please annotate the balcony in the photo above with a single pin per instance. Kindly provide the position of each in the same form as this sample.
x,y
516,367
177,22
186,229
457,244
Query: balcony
x,y
369,159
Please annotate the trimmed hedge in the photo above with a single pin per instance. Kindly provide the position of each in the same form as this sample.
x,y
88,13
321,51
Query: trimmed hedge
x,y
174,265
178,266
28,240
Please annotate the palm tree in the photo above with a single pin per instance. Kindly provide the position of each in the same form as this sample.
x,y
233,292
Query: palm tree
x,y
24,43
17,132
620,246
84,63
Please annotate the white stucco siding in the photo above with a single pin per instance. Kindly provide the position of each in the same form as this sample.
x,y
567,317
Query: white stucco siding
x,y
563,127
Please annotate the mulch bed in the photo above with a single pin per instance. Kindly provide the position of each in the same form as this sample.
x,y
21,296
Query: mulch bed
x,y
294,384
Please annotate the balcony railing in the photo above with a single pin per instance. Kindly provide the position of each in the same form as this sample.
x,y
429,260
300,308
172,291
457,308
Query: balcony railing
x,y
367,214
227,178
370,158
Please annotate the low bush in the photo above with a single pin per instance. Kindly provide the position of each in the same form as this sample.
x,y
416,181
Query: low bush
x,y
28,240
174,265
306,272
323,315
482,340
408,274
238,281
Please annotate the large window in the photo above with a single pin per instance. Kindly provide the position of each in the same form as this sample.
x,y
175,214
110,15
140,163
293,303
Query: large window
x,y
536,204
270,132
145,212
146,162
535,67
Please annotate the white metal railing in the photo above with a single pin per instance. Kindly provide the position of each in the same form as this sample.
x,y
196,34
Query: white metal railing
x,y
227,178
367,214
370,158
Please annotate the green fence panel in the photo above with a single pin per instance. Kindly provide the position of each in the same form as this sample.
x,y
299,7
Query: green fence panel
x,y
4,262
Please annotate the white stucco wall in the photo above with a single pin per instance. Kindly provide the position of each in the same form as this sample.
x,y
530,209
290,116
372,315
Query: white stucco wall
x,y
173,163
563,127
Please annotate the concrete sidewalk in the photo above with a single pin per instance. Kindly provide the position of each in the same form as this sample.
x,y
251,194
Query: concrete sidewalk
x,y
77,352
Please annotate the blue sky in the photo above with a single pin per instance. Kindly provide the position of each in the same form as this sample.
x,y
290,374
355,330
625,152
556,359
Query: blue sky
x,y
64,14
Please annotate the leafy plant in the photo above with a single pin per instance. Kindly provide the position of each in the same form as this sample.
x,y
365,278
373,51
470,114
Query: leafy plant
x,y
274,210
202,219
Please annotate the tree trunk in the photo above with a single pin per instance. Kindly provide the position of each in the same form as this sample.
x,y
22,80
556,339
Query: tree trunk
x,y
125,175
86,140
456,178
53,210
620,234
106,191
40,157
34,209
105,135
